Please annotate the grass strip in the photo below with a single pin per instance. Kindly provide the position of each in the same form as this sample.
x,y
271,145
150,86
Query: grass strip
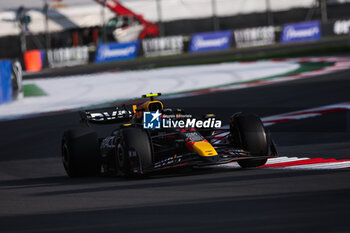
x,y
32,90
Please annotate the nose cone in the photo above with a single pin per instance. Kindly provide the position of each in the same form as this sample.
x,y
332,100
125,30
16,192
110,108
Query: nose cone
x,y
204,149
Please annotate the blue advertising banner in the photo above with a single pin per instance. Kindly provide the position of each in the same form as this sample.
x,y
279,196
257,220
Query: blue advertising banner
x,y
116,51
301,32
5,81
211,41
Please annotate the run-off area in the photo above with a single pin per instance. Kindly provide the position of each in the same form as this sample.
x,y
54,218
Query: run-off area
x,y
63,93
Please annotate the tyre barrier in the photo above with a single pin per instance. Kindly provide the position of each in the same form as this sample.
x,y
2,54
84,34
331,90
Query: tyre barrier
x,y
33,60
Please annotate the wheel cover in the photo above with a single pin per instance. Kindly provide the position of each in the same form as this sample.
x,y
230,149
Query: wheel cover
x,y
120,156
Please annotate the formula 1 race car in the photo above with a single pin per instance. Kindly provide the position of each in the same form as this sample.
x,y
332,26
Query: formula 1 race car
x,y
133,148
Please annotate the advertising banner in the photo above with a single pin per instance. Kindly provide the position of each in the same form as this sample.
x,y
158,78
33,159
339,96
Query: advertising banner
x,y
301,32
211,41
116,51
341,27
254,36
162,46
5,81
68,56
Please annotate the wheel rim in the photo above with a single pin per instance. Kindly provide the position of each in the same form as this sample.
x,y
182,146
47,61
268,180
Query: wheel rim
x,y
120,156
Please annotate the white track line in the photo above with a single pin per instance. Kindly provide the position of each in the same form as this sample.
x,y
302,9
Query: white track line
x,y
283,160
302,114
319,166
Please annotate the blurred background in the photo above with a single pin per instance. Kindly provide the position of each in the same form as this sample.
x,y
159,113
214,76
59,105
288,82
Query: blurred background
x,y
56,24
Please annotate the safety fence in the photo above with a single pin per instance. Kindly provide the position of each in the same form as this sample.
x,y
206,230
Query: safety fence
x,y
222,40
195,43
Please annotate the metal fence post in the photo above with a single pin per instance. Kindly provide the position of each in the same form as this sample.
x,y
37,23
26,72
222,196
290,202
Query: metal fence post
x,y
216,24
269,13
159,13
47,34
103,26
324,16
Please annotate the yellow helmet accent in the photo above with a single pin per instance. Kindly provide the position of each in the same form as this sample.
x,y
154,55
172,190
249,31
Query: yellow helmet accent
x,y
151,95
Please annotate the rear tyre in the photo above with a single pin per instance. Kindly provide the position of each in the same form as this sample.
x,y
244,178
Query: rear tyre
x,y
80,153
135,140
248,133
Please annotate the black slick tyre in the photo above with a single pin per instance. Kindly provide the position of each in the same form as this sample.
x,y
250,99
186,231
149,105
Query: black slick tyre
x,y
248,133
135,140
80,152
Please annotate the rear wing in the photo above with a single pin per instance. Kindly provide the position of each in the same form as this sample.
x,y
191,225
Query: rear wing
x,y
99,116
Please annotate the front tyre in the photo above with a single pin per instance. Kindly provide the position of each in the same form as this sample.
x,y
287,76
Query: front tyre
x,y
80,153
248,133
136,142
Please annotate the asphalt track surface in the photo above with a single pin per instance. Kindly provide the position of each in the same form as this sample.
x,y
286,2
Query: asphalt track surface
x,y
36,195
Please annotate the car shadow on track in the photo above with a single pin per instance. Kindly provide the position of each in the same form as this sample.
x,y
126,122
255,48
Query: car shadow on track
x,y
275,212
163,181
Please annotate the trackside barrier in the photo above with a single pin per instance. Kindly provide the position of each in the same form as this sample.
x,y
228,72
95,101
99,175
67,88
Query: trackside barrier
x,y
211,41
341,27
116,51
198,42
163,46
298,32
68,56
258,36
5,81
33,60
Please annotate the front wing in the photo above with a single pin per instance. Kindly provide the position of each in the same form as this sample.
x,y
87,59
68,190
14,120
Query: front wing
x,y
225,155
